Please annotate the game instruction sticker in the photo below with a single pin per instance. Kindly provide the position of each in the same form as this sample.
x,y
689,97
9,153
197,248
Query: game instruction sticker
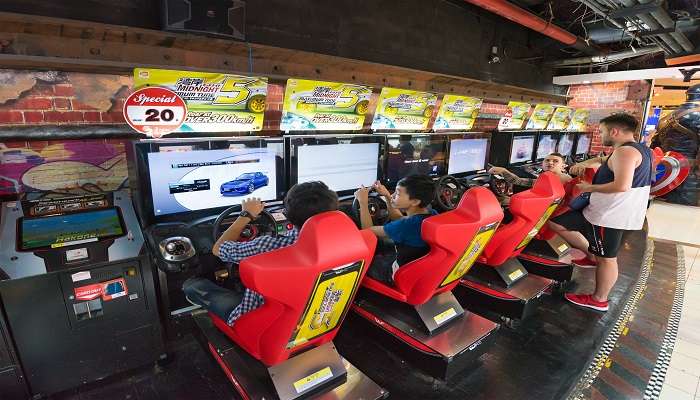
x,y
403,109
561,118
579,120
457,112
318,105
540,117
515,116
328,303
215,102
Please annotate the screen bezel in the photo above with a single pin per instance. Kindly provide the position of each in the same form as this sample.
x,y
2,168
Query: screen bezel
x,y
574,151
444,136
532,154
467,136
143,147
556,135
20,230
292,143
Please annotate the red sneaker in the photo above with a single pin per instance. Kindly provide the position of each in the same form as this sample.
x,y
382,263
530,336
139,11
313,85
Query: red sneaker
x,y
586,300
584,262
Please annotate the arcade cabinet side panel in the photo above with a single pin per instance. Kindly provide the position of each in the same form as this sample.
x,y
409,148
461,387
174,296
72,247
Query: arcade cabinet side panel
x,y
12,385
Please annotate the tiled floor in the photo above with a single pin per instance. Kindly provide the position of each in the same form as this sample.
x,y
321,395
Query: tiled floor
x,y
672,222
677,223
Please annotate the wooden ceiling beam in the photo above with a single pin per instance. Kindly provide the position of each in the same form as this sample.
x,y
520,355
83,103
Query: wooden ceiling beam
x,y
52,43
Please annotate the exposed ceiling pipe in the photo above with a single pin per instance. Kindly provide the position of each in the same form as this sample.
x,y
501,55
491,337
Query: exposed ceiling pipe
x,y
662,16
516,14
654,25
601,33
606,58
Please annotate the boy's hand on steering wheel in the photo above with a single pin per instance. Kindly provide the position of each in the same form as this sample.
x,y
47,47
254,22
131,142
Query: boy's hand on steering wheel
x,y
253,205
381,189
362,195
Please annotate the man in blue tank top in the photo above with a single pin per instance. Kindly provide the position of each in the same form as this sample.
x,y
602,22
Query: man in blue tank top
x,y
618,202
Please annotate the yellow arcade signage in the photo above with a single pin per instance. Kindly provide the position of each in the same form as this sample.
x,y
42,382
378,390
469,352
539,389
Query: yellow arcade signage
x,y
538,225
540,117
328,303
473,251
457,112
215,102
319,105
403,109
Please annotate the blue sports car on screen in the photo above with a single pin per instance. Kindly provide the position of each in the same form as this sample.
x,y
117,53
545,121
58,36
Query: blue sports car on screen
x,y
244,184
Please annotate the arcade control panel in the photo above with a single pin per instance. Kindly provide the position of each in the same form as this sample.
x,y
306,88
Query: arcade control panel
x,y
76,272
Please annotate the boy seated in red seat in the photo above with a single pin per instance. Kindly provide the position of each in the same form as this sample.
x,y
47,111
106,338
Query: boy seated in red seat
x,y
413,195
554,162
301,203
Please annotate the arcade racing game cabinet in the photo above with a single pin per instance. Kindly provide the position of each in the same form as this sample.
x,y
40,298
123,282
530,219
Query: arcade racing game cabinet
x,y
498,283
181,186
547,254
417,315
78,290
189,191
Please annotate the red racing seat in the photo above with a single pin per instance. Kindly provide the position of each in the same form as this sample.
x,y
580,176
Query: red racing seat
x,y
308,288
456,238
531,209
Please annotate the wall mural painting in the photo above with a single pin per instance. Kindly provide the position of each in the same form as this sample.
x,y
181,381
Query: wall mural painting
x,y
69,167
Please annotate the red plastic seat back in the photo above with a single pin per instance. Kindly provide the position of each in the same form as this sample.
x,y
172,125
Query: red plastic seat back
x,y
308,288
456,239
531,209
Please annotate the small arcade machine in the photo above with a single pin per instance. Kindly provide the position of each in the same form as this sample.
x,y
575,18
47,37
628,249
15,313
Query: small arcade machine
x,y
78,289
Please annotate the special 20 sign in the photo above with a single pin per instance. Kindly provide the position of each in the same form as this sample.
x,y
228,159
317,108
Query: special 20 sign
x,y
155,111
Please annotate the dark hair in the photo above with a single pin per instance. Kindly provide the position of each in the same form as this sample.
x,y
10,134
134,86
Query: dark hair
x,y
304,200
622,121
555,154
419,187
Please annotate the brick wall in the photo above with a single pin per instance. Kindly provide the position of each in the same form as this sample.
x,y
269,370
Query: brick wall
x,y
604,99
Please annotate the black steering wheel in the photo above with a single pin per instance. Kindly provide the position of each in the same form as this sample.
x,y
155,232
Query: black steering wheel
x,y
449,192
264,224
500,186
378,210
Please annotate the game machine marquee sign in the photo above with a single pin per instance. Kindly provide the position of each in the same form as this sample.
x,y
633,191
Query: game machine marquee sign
x,y
214,102
540,117
561,119
514,117
403,109
318,105
579,120
457,112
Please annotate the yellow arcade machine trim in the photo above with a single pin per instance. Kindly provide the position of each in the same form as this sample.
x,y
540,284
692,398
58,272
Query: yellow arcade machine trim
x,y
471,253
538,225
329,301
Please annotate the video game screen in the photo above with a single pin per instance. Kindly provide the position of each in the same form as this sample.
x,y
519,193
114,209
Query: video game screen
x,y
546,145
69,229
522,148
189,180
343,162
583,144
467,155
566,144
414,155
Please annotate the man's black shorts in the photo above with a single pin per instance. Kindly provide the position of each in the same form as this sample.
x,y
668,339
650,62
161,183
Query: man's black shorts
x,y
603,242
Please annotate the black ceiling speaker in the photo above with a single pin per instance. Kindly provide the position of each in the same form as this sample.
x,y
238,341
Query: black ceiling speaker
x,y
224,18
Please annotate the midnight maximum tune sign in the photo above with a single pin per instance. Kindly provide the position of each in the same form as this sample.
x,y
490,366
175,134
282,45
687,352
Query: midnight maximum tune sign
x,y
155,111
